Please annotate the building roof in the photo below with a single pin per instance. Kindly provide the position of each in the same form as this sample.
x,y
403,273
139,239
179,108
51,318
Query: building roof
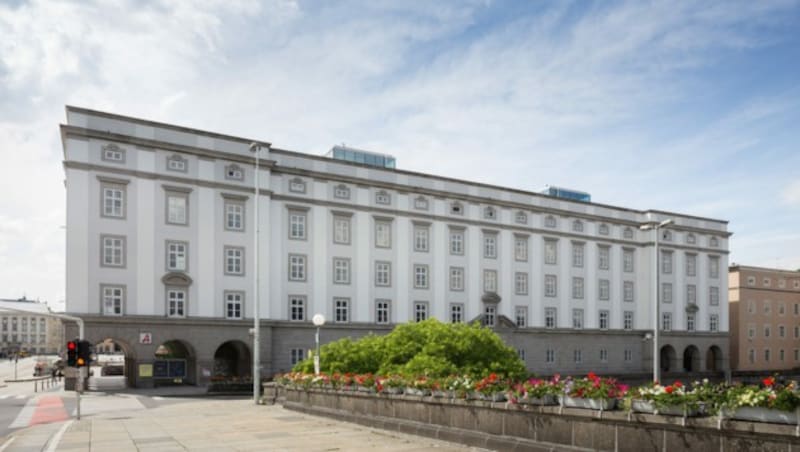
x,y
736,267
23,304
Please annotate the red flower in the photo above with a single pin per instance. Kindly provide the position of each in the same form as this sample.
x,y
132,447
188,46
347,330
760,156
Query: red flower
x,y
769,381
592,376
493,377
678,384
669,389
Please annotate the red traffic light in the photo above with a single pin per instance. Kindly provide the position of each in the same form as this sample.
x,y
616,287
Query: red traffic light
x,y
71,345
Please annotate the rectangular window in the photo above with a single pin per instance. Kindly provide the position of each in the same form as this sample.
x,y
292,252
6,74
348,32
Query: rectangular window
x,y
297,225
113,253
420,276
691,265
383,274
113,301
666,321
550,317
176,302
297,267
666,262
550,356
577,254
521,249
297,308
113,200
341,310
456,313
603,355
603,257
551,252
383,234
177,208
234,260
713,323
521,316
713,296
627,260
383,311
457,242
577,356
176,163
766,354
751,331
713,267
457,278
341,270
577,288
628,290
577,318
296,355
797,332
751,356
341,230
691,294
521,354
550,286
666,292
604,289
627,320
421,235
690,326
489,315
490,281
233,305
489,245
604,319
521,283
234,215
177,256
628,355
420,311
767,331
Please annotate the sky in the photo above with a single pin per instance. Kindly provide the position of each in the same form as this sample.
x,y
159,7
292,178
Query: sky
x,y
691,107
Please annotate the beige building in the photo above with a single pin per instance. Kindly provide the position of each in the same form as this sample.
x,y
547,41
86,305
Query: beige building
x,y
765,318
31,331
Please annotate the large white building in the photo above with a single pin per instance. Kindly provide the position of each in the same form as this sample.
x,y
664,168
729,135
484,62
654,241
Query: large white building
x,y
160,258
26,326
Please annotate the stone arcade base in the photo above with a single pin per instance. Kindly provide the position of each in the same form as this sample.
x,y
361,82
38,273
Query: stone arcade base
x,y
505,426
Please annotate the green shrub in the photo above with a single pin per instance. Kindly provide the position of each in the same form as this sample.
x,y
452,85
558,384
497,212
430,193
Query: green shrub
x,y
427,348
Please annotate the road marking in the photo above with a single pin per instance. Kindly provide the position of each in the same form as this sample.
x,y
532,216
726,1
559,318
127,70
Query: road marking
x,y
21,396
25,415
7,443
49,409
158,398
52,444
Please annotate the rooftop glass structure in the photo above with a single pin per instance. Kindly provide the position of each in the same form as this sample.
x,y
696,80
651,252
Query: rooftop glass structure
x,y
567,193
363,157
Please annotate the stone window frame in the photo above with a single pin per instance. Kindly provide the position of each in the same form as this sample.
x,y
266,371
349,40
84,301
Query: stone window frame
x,y
521,217
167,243
628,233
113,184
666,262
383,221
550,356
490,251
182,164
666,321
625,285
691,239
713,242
547,285
625,319
456,287
242,261
550,222
108,151
123,295
459,312
489,315
299,308
383,197
521,252
666,235
603,229
691,270
713,319
667,289
489,213
388,265
341,191
601,250
457,208
713,295
387,309
691,322
578,254
298,185
420,309
234,172
342,305
426,240
487,287
713,267
299,212
602,294
425,273
185,307
521,312
577,226
344,218
301,263
632,253
123,251
554,242
225,296
578,288
460,231
348,269
628,355
234,200
603,355
421,203
521,290
177,192
691,294
296,355
577,355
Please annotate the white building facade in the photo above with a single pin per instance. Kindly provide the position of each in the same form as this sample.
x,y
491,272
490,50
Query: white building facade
x,y
160,252
27,327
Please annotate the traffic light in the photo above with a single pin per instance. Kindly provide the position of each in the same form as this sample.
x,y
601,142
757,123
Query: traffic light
x,y
84,354
72,353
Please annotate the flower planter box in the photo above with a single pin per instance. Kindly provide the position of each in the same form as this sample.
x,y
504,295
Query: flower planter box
x,y
646,406
759,414
591,404
393,390
473,395
231,387
417,392
547,399
370,389
495,397
442,394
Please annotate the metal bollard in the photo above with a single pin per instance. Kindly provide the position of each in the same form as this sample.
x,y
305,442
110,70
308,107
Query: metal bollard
x,y
35,385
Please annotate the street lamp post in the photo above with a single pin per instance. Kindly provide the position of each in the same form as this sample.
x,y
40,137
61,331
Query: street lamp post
x,y
655,226
256,148
318,320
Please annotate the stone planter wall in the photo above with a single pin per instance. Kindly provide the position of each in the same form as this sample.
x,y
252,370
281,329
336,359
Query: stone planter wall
x,y
506,426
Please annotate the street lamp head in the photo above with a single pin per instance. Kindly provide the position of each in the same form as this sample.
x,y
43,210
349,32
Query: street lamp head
x,y
255,147
666,222
646,227
318,320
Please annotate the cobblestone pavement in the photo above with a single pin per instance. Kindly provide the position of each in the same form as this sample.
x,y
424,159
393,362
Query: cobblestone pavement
x,y
214,425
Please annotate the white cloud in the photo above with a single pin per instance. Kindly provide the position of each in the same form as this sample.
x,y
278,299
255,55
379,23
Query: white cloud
x,y
791,194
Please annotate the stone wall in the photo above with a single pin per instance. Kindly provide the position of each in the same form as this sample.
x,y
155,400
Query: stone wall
x,y
506,426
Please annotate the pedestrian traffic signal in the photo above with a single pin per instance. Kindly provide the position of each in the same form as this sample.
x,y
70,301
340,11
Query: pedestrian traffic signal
x,y
84,353
72,353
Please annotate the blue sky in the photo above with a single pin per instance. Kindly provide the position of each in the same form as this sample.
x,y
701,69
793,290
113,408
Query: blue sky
x,y
692,107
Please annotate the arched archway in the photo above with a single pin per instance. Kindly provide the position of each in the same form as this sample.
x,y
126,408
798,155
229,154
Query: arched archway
x,y
174,364
668,358
113,365
232,359
691,359
714,359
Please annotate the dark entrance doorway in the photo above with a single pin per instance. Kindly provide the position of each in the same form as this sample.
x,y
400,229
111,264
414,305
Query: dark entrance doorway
x,y
232,359
691,359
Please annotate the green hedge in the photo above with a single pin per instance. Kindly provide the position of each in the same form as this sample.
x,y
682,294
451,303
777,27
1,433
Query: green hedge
x,y
429,348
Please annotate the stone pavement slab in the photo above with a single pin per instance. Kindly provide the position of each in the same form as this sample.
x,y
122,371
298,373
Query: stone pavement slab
x,y
217,425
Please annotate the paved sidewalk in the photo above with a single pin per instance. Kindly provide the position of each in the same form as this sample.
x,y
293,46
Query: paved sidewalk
x,y
215,425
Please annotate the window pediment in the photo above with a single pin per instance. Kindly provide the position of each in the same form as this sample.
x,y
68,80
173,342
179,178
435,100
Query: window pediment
x,y
176,279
